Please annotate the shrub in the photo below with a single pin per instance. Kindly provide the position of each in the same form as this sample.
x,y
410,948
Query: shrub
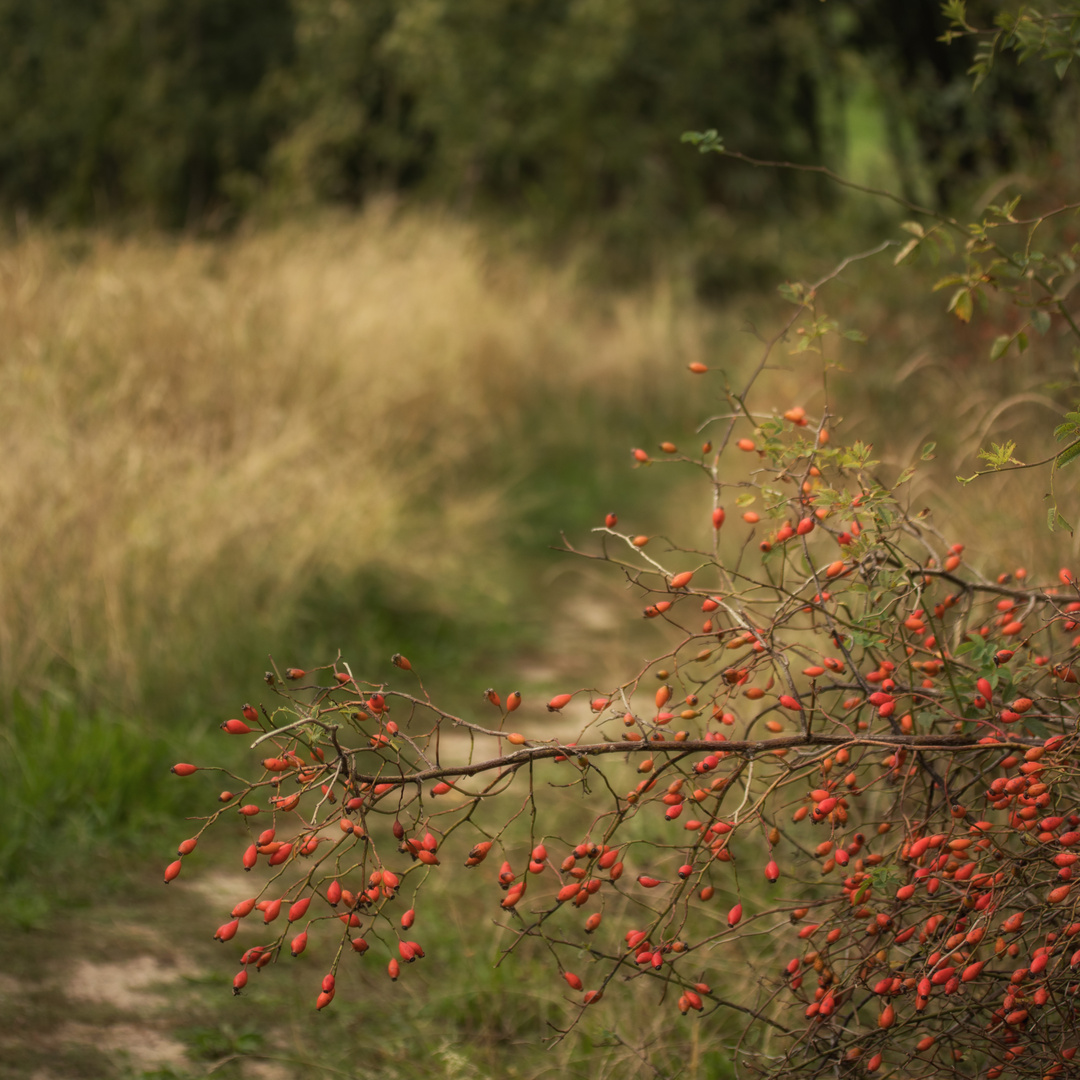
x,y
841,808
854,770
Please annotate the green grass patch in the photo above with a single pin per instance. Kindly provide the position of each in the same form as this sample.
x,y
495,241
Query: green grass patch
x,y
75,786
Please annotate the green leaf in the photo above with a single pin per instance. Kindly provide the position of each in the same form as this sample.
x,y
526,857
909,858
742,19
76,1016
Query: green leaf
x,y
1037,728
955,11
1007,210
1000,454
855,335
1069,428
952,279
1000,346
1055,521
705,141
1022,341
905,476
1070,453
928,451
1040,320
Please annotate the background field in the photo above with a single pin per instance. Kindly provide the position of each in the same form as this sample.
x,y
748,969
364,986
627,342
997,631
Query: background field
x,y
361,434
284,372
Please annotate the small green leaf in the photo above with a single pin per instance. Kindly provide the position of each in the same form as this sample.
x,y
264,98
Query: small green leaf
x,y
1070,453
955,11
1000,346
952,279
1055,521
1022,341
1007,210
1037,728
1000,454
1040,320
855,335
705,141
928,451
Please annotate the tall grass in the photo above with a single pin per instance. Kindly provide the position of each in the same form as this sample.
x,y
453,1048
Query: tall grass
x,y
323,435
363,433
349,433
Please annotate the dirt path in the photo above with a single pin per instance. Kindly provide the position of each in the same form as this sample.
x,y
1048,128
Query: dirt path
x,y
127,983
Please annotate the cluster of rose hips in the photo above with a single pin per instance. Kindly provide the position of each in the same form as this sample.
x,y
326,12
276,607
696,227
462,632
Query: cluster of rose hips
x,y
884,737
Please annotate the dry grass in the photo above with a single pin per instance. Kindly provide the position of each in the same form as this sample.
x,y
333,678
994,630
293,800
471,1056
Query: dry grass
x,y
210,446
197,437
194,433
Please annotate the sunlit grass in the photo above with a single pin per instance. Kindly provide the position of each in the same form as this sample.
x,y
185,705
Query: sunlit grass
x,y
363,434
326,435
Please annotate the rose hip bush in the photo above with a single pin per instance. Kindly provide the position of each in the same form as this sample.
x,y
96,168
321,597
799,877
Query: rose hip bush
x,y
837,821
852,779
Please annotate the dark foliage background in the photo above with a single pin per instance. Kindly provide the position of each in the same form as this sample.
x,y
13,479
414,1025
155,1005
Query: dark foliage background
x,y
565,113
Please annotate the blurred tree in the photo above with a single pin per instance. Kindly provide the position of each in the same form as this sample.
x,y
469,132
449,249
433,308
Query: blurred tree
x,y
348,114
942,135
149,105
568,112
570,107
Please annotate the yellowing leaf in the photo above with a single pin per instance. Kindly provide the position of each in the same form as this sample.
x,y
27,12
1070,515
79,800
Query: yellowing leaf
x,y
961,305
905,251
